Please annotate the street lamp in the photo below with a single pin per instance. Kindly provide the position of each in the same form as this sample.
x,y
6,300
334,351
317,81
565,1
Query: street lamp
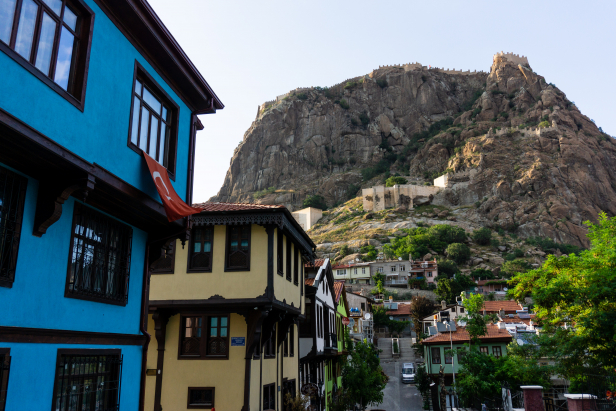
x,y
453,357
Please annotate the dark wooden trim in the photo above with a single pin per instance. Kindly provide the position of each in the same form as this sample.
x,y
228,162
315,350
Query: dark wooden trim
x,y
189,269
81,57
169,245
269,291
200,406
141,73
160,327
141,26
51,336
227,245
205,316
8,282
4,376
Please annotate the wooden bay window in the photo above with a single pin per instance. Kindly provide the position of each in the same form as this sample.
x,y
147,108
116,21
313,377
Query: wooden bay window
x,y
237,256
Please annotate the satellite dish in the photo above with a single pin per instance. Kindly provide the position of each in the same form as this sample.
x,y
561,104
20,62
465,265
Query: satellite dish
x,y
367,316
391,317
505,289
476,289
399,258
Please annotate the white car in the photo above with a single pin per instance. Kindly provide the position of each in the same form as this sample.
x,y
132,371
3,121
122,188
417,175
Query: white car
x,y
408,372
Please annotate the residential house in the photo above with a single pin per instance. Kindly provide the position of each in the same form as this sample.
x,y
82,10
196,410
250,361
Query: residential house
x,y
400,311
311,268
502,307
359,306
398,272
445,312
318,341
444,336
87,87
342,311
496,286
225,318
353,273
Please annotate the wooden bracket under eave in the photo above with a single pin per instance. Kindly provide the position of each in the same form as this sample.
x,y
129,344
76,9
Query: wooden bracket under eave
x,y
51,198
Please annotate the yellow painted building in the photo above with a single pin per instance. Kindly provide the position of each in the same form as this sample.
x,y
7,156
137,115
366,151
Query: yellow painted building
x,y
224,309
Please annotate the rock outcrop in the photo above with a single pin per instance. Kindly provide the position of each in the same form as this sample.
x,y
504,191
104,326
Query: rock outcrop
x,y
514,146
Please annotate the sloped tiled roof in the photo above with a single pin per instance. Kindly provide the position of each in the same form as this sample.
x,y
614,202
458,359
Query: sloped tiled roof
x,y
517,320
309,281
461,335
317,263
338,287
484,282
212,207
403,309
509,306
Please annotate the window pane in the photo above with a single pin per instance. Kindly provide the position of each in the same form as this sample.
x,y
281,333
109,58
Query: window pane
x,y
134,133
151,100
48,33
153,137
165,114
223,332
207,247
161,145
55,5
145,120
138,86
7,12
213,332
223,322
70,18
214,321
197,247
25,32
65,56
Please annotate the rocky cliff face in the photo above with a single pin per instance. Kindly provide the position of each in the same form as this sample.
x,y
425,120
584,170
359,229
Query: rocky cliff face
x,y
515,147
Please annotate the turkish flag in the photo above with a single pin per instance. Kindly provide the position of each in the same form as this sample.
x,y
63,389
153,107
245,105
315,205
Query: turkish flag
x,y
175,207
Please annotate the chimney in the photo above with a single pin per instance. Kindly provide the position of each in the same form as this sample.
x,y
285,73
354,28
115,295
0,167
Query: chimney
x,y
443,304
501,312
501,325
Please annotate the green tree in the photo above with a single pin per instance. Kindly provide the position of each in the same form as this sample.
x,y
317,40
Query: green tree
x,y
447,289
362,375
482,273
315,201
482,236
378,277
458,252
379,315
578,290
515,267
476,379
447,267
421,307
447,234
396,327
422,382
476,322
394,180
369,253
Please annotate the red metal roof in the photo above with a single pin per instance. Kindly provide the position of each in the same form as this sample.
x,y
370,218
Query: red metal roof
x,y
461,335
212,207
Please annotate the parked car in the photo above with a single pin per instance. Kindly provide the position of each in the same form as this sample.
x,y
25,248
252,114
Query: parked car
x,y
408,372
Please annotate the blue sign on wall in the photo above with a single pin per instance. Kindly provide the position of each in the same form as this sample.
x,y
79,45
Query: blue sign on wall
x,y
238,341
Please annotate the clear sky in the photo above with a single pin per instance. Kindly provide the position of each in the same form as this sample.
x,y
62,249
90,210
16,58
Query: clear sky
x,y
252,51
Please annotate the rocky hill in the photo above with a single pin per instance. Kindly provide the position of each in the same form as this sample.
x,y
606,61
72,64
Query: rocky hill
x,y
520,155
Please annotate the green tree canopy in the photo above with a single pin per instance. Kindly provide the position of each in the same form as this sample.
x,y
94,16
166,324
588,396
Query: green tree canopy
x,y
578,291
394,180
362,375
515,267
315,201
458,252
482,236
447,267
421,307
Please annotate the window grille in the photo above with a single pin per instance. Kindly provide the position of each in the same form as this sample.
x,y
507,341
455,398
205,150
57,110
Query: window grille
x,y
99,267
12,195
202,240
269,397
201,397
166,263
5,365
87,382
238,247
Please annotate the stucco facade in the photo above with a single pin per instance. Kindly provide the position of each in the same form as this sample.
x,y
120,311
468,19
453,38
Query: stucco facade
x,y
228,330
84,219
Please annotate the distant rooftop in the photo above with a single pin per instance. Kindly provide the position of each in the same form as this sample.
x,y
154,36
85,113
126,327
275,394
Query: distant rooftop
x,y
461,335
235,206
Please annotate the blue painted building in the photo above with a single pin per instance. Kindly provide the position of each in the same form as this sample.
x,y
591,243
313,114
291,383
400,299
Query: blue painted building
x,y
85,86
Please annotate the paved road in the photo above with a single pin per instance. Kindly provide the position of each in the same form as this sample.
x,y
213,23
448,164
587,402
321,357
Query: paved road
x,y
398,396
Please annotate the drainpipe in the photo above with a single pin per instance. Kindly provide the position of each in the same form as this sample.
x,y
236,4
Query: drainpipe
x,y
142,325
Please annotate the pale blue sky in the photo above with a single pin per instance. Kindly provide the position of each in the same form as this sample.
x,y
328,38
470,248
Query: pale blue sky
x,y
252,51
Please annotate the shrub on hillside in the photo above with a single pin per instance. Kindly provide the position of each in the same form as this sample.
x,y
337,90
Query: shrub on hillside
x,y
482,236
511,268
382,83
344,104
458,252
515,253
392,181
363,117
447,267
482,273
548,245
315,201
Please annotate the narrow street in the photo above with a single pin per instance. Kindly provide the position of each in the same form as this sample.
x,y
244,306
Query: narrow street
x,y
398,396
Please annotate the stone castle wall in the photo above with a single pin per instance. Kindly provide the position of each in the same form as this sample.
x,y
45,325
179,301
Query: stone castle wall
x,y
380,197
513,58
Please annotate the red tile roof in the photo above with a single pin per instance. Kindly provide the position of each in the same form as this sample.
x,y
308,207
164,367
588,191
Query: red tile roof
x,y
517,320
212,207
338,287
483,282
317,263
309,281
403,309
461,335
509,306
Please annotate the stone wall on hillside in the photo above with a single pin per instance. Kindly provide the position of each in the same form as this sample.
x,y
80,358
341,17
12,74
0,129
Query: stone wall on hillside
x,y
380,198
